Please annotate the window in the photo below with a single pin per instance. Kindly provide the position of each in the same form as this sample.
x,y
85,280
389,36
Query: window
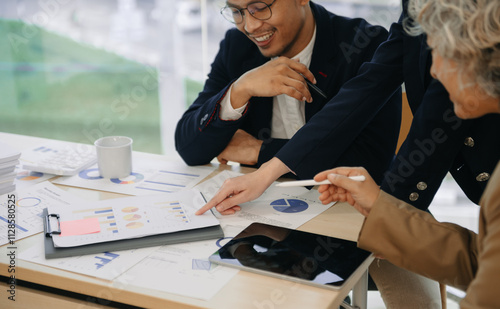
x,y
80,69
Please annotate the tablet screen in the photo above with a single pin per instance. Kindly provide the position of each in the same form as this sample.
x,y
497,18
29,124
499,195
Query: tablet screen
x,y
300,256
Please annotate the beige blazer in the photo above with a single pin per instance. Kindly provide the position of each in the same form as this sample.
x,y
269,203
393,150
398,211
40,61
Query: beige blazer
x,y
445,252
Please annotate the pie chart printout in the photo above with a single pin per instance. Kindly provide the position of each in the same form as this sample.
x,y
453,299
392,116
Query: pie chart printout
x,y
28,175
134,225
130,209
28,202
132,217
289,205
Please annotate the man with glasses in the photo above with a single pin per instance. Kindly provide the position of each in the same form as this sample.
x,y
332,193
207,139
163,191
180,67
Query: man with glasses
x,y
312,145
257,107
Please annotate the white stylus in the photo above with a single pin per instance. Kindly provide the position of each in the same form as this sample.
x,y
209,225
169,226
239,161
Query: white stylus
x,y
303,183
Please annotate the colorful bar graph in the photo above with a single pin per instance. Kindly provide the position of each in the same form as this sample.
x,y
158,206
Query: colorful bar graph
x,y
175,208
113,229
105,215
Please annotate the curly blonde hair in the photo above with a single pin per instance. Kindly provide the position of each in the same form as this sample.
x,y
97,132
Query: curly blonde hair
x,y
466,31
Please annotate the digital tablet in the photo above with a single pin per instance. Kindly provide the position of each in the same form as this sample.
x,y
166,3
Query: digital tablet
x,y
294,255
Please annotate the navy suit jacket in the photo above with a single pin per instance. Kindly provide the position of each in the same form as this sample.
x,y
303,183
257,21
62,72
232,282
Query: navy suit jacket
x,y
438,141
342,45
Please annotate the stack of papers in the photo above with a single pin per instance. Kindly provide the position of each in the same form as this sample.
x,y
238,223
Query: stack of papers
x,y
8,161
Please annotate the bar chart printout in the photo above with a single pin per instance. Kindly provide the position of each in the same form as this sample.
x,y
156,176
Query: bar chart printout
x,y
105,215
137,216
176,213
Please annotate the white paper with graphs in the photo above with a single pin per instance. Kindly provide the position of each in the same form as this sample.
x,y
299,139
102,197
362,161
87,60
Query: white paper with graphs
x,y
133,217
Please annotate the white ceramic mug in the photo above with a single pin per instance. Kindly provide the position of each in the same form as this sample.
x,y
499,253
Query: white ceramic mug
x,y
114,156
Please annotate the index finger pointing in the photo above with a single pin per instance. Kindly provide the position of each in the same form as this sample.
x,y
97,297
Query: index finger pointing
x,y
204,209
219,197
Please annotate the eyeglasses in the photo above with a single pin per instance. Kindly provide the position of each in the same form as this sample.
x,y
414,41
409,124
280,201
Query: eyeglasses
x,y
258,10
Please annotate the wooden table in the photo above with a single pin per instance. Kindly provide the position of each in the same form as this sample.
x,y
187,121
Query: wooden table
x,y
46,287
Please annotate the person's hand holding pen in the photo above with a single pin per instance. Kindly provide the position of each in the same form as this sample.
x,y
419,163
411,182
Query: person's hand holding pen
x,y
360,194
278,76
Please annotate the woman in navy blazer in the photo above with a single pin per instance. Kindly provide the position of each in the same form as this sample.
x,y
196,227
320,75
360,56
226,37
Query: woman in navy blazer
x,y
465,37
438,141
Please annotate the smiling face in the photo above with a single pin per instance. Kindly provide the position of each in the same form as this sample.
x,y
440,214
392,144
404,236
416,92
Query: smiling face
x,y
286,33
469,100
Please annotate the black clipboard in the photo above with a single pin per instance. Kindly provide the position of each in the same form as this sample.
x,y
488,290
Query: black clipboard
x,y
51,252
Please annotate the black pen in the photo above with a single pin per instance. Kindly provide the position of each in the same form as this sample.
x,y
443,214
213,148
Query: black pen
x,y
315,88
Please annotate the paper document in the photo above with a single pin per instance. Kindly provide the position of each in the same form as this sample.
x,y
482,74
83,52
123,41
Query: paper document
x,y
147,177
182,269
25,178
285,207
133,217
105,265
30,203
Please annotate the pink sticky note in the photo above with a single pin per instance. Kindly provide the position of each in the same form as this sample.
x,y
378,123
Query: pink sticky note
x,y
80,227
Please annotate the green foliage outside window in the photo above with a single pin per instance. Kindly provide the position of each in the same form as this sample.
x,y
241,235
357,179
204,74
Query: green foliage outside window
x,y
52,86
